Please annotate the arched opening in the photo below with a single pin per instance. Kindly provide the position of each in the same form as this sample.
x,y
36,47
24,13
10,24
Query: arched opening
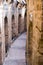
x,y
13,27
6,34
19,19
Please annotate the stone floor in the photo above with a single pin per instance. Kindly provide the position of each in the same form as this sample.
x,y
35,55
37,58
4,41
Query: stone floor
x,y
16,54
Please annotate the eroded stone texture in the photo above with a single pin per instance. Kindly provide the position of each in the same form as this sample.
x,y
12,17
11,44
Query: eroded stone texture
x,y
35,32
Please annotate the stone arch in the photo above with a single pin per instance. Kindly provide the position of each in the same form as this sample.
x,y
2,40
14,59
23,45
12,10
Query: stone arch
x,y
13,24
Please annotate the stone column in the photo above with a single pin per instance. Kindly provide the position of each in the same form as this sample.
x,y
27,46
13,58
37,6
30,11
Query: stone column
x,y
16,21
9,25
2,36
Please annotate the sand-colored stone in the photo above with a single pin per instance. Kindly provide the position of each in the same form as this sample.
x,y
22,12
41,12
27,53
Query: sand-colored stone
x,y
35,33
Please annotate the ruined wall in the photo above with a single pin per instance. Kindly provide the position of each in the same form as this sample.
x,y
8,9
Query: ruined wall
x,y
35,32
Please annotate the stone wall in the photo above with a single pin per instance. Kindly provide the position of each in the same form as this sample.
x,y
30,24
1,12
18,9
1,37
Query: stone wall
x,y
35,32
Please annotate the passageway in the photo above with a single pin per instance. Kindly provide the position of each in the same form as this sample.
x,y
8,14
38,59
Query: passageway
x,y
16,46
16,54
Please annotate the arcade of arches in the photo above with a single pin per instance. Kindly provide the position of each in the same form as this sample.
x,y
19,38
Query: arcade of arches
x,y
31,23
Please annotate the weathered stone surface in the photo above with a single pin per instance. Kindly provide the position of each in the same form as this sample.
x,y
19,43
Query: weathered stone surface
x,y
35,34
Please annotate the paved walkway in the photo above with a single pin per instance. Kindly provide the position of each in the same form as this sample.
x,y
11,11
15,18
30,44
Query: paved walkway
x,y
16,54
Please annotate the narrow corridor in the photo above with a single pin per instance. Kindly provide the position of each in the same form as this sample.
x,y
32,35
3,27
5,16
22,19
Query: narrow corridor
x,y
16,54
